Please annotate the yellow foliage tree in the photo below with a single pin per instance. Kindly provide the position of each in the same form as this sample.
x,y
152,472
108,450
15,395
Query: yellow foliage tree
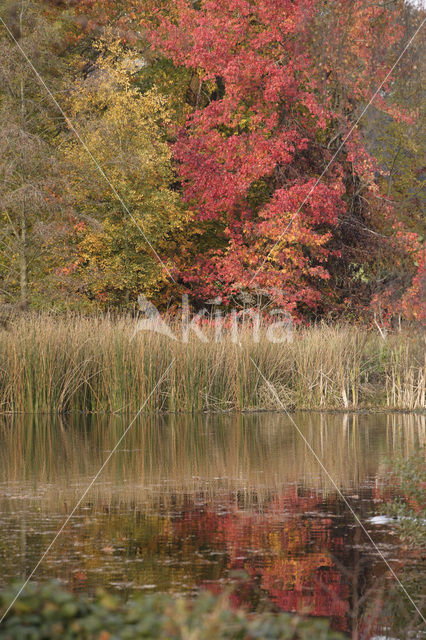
x,y
128,218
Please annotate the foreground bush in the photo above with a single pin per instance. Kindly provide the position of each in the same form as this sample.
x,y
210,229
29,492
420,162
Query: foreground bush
x,y
409,475
409,512
45,612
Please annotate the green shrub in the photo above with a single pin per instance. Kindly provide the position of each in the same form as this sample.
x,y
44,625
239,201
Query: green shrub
x,y
48,612
410,509
405,613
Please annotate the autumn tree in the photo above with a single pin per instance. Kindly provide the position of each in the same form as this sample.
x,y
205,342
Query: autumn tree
x,y
277,105
380,264
128,218
28,166
237,109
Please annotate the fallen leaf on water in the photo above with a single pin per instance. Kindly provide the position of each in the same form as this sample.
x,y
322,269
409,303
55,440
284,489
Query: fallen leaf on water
x,y
108,549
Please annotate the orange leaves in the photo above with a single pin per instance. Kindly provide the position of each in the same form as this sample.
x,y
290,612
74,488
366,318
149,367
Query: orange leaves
x,y
80,227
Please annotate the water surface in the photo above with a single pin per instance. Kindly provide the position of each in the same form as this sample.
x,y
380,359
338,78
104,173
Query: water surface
x,y
205,502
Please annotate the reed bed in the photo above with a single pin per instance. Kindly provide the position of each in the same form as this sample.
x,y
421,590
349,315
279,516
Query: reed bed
x,y
99,364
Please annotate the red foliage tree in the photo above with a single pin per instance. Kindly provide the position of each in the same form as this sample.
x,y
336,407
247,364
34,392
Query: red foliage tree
x,y
279,84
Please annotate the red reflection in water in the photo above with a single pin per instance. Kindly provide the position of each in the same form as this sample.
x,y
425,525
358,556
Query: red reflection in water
x,y
288,554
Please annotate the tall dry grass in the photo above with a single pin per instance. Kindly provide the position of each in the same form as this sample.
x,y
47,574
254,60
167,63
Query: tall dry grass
x,y
62,364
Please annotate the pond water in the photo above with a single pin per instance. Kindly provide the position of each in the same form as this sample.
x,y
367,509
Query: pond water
x,y
188,503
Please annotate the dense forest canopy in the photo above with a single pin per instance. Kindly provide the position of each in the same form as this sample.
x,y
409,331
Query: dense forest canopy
x,y
214,148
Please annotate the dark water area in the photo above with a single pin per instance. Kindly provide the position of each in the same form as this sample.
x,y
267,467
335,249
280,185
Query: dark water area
x,y
214,501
